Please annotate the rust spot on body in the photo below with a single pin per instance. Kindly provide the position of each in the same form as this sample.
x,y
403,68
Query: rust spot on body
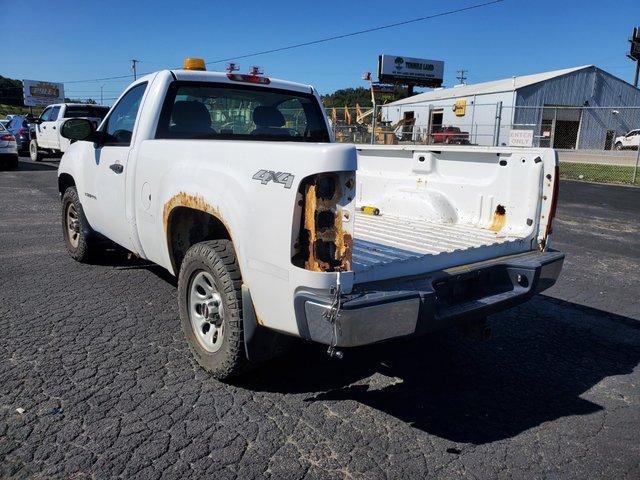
x,y
499,219
183,199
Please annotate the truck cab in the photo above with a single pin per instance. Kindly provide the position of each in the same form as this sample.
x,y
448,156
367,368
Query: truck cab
x,y
232,183
45,130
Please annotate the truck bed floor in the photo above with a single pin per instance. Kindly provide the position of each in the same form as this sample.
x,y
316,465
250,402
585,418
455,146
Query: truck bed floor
x,y
386,246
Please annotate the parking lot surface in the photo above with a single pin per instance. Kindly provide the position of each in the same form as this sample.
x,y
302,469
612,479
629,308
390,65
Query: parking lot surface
x,y
96,380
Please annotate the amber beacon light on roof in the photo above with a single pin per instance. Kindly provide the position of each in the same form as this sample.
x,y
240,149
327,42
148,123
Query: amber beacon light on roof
x,y
193,64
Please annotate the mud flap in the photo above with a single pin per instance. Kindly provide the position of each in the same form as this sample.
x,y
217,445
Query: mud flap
x,y
260,343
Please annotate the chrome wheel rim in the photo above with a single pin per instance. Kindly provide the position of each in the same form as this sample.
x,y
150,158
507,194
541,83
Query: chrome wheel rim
x,y
73,225
206,311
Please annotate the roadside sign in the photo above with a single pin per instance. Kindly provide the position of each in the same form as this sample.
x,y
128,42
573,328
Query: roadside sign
x,y
379,87
41,93
521,138
410,71
634,50
460,108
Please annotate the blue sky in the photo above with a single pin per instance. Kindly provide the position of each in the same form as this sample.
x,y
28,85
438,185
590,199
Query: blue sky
x,y
74,40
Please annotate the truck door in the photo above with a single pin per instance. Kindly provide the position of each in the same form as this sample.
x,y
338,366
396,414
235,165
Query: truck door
x,y
50,128
109,170
41,130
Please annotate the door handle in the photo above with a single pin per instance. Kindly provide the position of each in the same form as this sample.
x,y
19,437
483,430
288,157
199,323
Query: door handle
x,y
116,167
54,127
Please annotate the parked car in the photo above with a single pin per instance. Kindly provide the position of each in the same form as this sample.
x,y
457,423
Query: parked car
x,y
8,149
274,231
4,122
630,140
449,135
45,130
19,128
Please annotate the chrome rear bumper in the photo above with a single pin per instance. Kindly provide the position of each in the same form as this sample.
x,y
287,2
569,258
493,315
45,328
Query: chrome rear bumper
x,y
379,311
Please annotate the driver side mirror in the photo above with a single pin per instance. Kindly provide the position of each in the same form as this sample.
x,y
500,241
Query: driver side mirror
x,y
36,121
79,129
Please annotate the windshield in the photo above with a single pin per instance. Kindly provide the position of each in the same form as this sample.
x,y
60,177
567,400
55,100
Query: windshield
x,y
195,110
86,111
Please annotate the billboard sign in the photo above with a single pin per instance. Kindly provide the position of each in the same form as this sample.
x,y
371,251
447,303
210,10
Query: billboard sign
x,y
39,93
410,71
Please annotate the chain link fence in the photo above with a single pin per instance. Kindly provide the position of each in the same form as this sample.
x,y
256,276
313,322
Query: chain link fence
x,y
598,144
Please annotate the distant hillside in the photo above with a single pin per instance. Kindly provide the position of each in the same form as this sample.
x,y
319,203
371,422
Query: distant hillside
x,y
348,96
351,96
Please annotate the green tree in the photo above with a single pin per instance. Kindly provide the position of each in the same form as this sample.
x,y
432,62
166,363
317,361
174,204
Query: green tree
x,y
11,91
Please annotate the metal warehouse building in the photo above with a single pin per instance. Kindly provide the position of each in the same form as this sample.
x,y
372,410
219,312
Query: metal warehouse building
x,y
582,107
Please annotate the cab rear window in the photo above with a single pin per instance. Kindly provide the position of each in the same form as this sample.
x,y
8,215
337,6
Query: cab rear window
x,y
89,112
205,110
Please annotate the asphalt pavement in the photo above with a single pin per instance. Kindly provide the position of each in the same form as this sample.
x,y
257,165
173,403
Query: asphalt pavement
x,y
96,380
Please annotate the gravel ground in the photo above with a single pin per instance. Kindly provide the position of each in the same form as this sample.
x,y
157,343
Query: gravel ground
x,y
95,357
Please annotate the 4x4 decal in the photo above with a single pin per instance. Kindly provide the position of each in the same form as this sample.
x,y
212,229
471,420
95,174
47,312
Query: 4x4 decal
x,y
266,176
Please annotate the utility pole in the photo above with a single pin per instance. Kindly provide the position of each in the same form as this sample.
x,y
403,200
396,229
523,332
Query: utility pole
x,y
461,76
101,87
133,67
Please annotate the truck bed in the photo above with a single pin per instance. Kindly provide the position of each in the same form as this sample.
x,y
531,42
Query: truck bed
x,y
443,207
388,246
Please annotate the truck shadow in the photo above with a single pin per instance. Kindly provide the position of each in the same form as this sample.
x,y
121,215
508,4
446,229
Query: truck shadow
x,y
543,357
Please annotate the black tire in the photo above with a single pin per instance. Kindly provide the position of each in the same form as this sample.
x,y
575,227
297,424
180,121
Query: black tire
x,y
618,146
34,153
13,163
80,246
218,259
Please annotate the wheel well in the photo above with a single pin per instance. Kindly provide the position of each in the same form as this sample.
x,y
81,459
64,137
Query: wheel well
x,y
186,227
65,181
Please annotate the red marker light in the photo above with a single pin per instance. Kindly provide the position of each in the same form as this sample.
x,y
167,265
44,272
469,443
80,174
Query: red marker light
x,y
240,77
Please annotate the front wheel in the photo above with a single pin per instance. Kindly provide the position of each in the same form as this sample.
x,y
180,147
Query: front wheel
x,y
75,228
618,146
210,303
34,153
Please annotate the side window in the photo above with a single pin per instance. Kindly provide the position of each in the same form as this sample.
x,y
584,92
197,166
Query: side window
x,y
45,115
53,114
119,125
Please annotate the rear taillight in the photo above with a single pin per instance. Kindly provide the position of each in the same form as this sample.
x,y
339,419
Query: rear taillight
x,y
554,201
240,77
7,137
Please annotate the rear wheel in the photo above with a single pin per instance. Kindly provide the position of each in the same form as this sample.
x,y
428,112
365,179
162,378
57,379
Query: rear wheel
x,y
210,302
34,153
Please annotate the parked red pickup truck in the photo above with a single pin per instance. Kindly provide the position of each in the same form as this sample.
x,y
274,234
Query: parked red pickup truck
x,y
449,135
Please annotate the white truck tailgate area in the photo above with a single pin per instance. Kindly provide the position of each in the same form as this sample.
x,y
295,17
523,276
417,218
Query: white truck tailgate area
x,y
386,246
446,207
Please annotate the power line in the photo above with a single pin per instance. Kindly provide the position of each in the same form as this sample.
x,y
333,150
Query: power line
x,y
360,32
316,42
461,75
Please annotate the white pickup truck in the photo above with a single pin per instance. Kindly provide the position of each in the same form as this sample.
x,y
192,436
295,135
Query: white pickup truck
x,y
45,130
232,183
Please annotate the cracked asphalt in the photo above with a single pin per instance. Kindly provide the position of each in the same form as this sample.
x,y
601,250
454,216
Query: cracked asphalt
x,y
94,356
